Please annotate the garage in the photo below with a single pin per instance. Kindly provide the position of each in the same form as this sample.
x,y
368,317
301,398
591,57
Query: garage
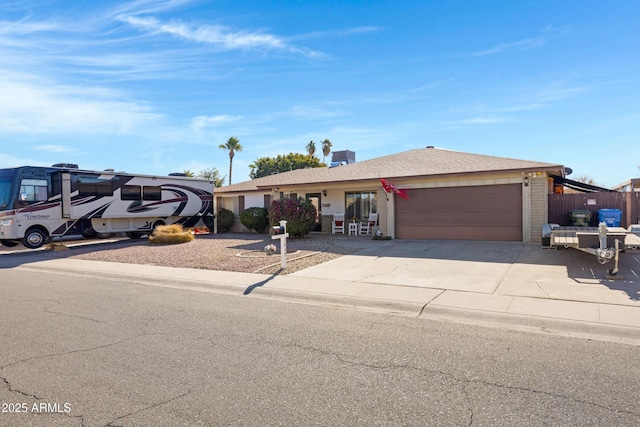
x,y
491,212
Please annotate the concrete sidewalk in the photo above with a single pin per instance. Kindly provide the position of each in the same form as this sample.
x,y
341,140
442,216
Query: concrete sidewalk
x,y
513,281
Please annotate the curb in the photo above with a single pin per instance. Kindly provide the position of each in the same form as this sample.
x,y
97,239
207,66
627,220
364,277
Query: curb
x,y
417,309
404,308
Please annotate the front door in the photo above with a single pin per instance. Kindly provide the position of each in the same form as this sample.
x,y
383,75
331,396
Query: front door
x,y
315,199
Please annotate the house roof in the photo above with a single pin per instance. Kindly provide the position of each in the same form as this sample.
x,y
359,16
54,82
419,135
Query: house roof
x,y
422,162
632,184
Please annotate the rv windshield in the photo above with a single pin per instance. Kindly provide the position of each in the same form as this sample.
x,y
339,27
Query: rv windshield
x,y
6,179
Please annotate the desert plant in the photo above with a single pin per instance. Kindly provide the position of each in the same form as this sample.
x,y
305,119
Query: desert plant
x,y
225,219
255,219
300,215
170,234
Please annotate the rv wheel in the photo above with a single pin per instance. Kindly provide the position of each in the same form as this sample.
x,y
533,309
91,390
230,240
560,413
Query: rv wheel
x,y
88,233
34,238
9,243
133,234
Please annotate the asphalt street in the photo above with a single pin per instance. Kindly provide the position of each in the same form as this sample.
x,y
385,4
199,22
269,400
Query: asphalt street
x,y
90,351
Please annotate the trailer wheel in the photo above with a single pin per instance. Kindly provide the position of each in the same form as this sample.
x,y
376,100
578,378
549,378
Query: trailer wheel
x,y
133,234
9,243
34,238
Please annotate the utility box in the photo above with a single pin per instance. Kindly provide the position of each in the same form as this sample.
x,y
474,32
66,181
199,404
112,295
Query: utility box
x,y
580,218
611,217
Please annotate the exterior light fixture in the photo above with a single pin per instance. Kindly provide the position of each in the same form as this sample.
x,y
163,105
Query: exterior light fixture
x,y
324,193
526,181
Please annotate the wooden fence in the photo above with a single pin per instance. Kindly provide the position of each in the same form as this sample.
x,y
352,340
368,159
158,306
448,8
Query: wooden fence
x,y
561,205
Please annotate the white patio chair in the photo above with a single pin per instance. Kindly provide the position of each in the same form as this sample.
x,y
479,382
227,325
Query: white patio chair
x,y
337,225
366,227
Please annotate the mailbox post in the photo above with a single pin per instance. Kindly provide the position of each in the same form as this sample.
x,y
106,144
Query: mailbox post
x,y
281,234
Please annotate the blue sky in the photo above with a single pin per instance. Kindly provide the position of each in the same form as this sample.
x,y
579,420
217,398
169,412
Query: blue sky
x,y
155,87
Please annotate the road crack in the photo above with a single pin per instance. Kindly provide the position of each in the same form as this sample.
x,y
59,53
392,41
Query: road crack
x,y
15,390
543,291
81,350
146,408
464,382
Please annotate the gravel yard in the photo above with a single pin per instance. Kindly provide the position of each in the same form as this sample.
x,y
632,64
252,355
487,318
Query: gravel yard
x,y
241,252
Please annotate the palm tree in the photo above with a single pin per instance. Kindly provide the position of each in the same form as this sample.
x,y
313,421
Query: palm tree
x,y
326,149
232,145
311,148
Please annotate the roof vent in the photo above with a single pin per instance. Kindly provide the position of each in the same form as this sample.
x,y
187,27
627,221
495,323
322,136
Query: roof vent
x,y
110,170
65,165
177,174
430,146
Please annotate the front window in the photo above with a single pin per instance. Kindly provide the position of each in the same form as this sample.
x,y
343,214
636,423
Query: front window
x,y
360,205
5,189
33,190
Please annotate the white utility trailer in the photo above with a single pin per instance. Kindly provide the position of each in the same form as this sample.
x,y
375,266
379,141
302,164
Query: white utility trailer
x,y
604,242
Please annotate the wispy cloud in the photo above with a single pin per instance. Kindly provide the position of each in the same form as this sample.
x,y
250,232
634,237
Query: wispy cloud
x,y
482,121
203,121
31,105
556,92
526,44
314,112
8,161
54,148
148,6
216,35
342,32
545,35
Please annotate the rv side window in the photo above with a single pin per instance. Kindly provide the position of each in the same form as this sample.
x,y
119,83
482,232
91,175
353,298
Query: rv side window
x,y
93,186
130,192
152,193
33,190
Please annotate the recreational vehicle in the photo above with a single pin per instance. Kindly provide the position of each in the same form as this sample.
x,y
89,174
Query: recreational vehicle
x,y
39,203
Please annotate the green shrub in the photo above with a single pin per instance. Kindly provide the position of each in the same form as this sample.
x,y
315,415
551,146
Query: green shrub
x,y
225,219
300,215
255,219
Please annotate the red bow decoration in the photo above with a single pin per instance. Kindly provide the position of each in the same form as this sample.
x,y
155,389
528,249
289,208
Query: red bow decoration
x,y
390,188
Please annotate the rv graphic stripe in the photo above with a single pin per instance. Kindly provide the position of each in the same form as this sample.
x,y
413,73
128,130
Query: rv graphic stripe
x,y
97,213
38,207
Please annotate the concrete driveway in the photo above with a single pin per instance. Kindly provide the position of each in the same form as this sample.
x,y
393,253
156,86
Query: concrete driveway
x,y
492,268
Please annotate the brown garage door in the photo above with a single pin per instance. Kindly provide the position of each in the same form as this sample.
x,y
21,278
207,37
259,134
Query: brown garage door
x,y
491,212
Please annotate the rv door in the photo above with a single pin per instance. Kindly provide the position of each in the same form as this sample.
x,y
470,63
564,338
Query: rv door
x,y
65,196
